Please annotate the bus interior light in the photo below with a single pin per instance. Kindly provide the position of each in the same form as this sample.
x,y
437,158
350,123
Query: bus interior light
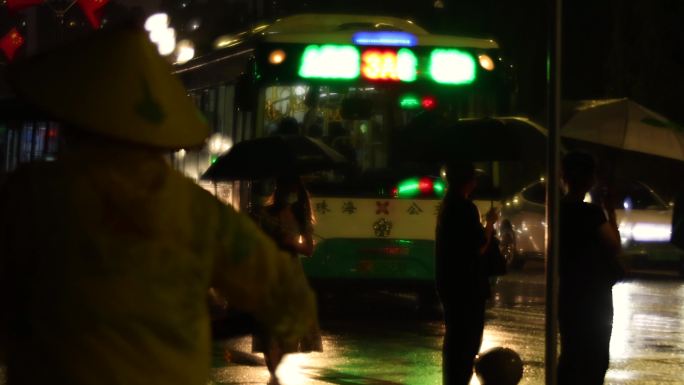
x,y
428,102
277,56
330,61
409,102
385,38
452,66
486,62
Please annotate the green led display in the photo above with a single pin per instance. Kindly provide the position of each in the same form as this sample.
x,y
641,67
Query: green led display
x,y
409,102
406,65
452,66
408,188
330,62
438,187
446,66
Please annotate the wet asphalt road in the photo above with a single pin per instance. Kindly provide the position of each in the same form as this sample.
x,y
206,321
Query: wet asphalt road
x,y
380,339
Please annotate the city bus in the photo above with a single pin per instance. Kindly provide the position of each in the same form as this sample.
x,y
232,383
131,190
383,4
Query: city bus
x,y
355,82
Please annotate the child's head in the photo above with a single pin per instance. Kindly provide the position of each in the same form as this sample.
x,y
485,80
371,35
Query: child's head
x,y
499,366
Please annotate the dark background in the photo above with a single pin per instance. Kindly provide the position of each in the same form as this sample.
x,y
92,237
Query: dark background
x,y
611,48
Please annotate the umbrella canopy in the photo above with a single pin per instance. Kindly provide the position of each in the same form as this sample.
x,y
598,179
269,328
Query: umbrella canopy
x,y
490,139
274,156
626,125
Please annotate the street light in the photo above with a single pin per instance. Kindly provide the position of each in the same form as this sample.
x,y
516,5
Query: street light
x,y
164,37
185,51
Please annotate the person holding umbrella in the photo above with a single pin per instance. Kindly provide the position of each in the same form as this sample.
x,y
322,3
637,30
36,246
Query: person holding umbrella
x,y
461,272
107,254
589,247
288,220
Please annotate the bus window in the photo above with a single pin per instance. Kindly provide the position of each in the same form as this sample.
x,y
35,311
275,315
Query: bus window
x,y
318,113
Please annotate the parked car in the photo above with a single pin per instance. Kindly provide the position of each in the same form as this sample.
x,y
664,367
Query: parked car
x,y
644,220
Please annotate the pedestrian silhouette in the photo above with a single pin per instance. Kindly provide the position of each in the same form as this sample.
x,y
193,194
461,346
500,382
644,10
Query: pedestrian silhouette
x,y
461,272
589,246
107,254
288,220
677,237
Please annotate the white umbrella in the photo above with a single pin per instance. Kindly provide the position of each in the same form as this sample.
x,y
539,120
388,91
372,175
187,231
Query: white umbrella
x,y
624,124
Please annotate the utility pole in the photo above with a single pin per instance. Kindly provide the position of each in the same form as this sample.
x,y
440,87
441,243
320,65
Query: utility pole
x,y
553,190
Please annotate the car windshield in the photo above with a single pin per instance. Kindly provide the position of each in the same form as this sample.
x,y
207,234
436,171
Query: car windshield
x,y
637,196
630,196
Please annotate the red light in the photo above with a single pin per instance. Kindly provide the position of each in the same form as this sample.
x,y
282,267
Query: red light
x,y
395,192
379,65
428,102
425,186
389,250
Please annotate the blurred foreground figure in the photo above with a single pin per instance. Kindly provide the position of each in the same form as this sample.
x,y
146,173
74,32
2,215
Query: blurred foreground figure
x,y
589,247
107,254
499,366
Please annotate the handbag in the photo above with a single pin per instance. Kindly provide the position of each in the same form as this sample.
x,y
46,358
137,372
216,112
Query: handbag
x,y
494,259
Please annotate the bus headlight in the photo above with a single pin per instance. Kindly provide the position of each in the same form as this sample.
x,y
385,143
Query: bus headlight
x,y
277,56
486,62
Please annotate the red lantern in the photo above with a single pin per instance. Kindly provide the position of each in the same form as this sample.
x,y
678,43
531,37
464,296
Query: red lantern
x,y
11,42
93,10
18,5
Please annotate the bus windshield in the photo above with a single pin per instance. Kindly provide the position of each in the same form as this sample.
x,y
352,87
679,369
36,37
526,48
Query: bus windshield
x,y
360,122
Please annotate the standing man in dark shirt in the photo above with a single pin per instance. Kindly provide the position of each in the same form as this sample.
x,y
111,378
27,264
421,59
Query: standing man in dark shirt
x,y
589,246
461,277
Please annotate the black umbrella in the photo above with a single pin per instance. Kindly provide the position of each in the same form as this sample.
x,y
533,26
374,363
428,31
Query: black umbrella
x,y
490,139
274,156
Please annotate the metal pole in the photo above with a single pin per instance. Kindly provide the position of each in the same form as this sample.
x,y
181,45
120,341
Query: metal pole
x,y
553,190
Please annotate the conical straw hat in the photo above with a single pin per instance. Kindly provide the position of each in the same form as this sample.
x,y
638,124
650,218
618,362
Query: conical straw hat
x,y
116,85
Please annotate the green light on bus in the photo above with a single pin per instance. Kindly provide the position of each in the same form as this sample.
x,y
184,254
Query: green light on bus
x,y
406,65
438,187
451,66
330,61
409,102
408,188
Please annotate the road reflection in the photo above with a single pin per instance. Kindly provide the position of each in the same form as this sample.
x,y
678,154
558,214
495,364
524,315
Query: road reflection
x,y
390,346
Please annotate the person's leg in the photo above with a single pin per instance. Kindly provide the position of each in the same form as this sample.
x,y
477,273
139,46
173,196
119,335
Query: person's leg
x,y
462,339
598,338
585,329
570,360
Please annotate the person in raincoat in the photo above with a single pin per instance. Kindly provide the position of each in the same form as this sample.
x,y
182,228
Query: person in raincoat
x,y
107,254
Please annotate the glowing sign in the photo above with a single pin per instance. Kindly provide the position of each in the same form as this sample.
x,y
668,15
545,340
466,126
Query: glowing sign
x,y
385,38
446,66
451,66
389,65
407,64
330,62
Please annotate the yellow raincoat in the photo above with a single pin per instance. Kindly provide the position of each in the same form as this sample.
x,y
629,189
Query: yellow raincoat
x,y
106,259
